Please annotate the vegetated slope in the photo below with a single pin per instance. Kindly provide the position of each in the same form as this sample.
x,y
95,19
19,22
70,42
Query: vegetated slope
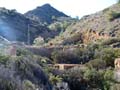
x,y
14,26
101,25
61,23
22,73
45,14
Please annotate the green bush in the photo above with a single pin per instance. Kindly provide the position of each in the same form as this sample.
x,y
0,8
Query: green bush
x,y
108,79
83,79
64,57
109,75
110,41
90,74
96,63
74,77
89,79
23,51
113,15
76,56
108,55
29,85
4,59
54,79
76,38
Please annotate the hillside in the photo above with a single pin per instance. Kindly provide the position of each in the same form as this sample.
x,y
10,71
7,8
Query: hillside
x,y
99,26
14,27
94,42
67,53
45,14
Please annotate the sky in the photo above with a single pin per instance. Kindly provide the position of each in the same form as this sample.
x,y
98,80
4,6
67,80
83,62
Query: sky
x,y
72,8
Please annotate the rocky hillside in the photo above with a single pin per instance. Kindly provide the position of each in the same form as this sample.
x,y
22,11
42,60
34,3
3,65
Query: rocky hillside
x,y
14,26
101,25
45,14
86,42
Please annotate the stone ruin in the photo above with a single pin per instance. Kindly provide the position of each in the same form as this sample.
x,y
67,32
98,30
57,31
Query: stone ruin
x,y
117,63
117,69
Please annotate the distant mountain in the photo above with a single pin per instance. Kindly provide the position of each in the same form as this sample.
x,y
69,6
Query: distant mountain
x,y
45,14
15,26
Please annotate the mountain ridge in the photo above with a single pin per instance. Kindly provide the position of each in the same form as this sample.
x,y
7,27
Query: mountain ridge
x,y
45,13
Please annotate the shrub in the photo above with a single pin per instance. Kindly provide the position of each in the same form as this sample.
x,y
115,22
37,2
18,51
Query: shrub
x,y
113,15
64,57
109,75
29,85
96,63
4,59
110,41
23,51
28,69
74,39
90,74
74,56
89,78
54,79
108,55
74,77
108,80
83,79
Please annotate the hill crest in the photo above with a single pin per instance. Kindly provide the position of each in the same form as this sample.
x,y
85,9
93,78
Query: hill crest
x,y
45,14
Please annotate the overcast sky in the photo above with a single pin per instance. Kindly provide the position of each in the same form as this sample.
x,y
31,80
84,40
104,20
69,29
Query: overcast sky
x,y
70,7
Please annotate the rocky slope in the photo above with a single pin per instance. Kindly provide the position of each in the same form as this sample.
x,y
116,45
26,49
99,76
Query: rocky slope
x,y
101,25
